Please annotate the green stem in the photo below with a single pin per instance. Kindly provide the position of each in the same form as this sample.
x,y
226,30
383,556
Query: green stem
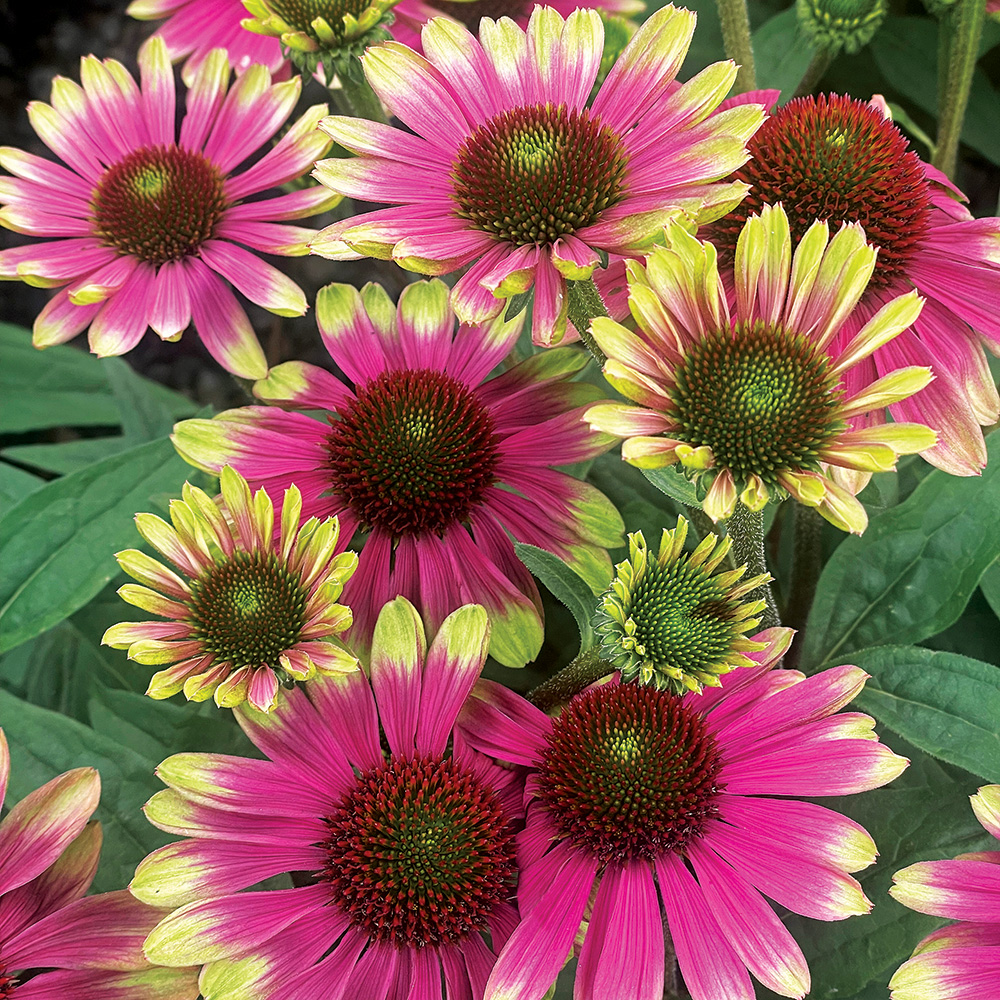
x,y
746,528
573,678
737,43
814,72
967,23
585,303
806,567
355,97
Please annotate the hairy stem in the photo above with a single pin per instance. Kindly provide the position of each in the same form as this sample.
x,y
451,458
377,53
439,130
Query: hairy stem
x,y
814,72
967,26
737,43
573,678
585,304
807,564
746,528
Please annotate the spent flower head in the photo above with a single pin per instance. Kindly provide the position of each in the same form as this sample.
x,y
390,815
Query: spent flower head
x,y
751,403
677,620
256,610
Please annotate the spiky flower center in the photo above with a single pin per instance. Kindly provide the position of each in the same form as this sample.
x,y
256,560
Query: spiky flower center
x,y
419,852
159,203
248,610
679,617
761,397
533,174
471,12
300,14
7,983
629,772
414,453
836,159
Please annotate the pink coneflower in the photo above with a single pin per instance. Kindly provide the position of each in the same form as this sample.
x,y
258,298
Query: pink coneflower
x,y
751,402
412,15
252,608
510,171
194,27
433,459
405,833
633,789
842,160
961,961
149,227
89,948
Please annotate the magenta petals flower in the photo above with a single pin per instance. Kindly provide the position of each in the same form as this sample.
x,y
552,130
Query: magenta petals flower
x,y
148,230
90,948
192,28
927,241
412,15
401,835
960,961
507,170
692,804
433,459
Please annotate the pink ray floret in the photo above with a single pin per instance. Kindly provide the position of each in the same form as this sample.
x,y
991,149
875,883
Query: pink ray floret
x,y
402,835
88,948
692,804
960,961
148,228
412,15
430,456
507,169
192,28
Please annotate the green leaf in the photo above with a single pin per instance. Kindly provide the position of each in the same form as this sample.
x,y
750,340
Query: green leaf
x,y
905,50
64,457
145,416
15,485
781,53
676,486
910,575
57,546
44,744
946,704
63,386
990,585
924,815
158,729
564,584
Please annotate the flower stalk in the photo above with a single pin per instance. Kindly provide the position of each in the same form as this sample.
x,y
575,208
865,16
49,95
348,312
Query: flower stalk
x,y
586,668
737,42
586,304
965,29
746,529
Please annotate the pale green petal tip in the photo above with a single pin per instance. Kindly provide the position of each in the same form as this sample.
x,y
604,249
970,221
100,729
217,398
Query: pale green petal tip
x,y
466,633
399,636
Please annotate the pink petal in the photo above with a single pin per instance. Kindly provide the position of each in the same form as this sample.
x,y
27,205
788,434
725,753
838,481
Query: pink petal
x,y
170,302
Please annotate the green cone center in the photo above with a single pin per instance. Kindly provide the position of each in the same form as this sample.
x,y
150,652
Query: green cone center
x,y
248,610
762,398
414,453
682,619
629,772
159,203
300,14
420,852
534,174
